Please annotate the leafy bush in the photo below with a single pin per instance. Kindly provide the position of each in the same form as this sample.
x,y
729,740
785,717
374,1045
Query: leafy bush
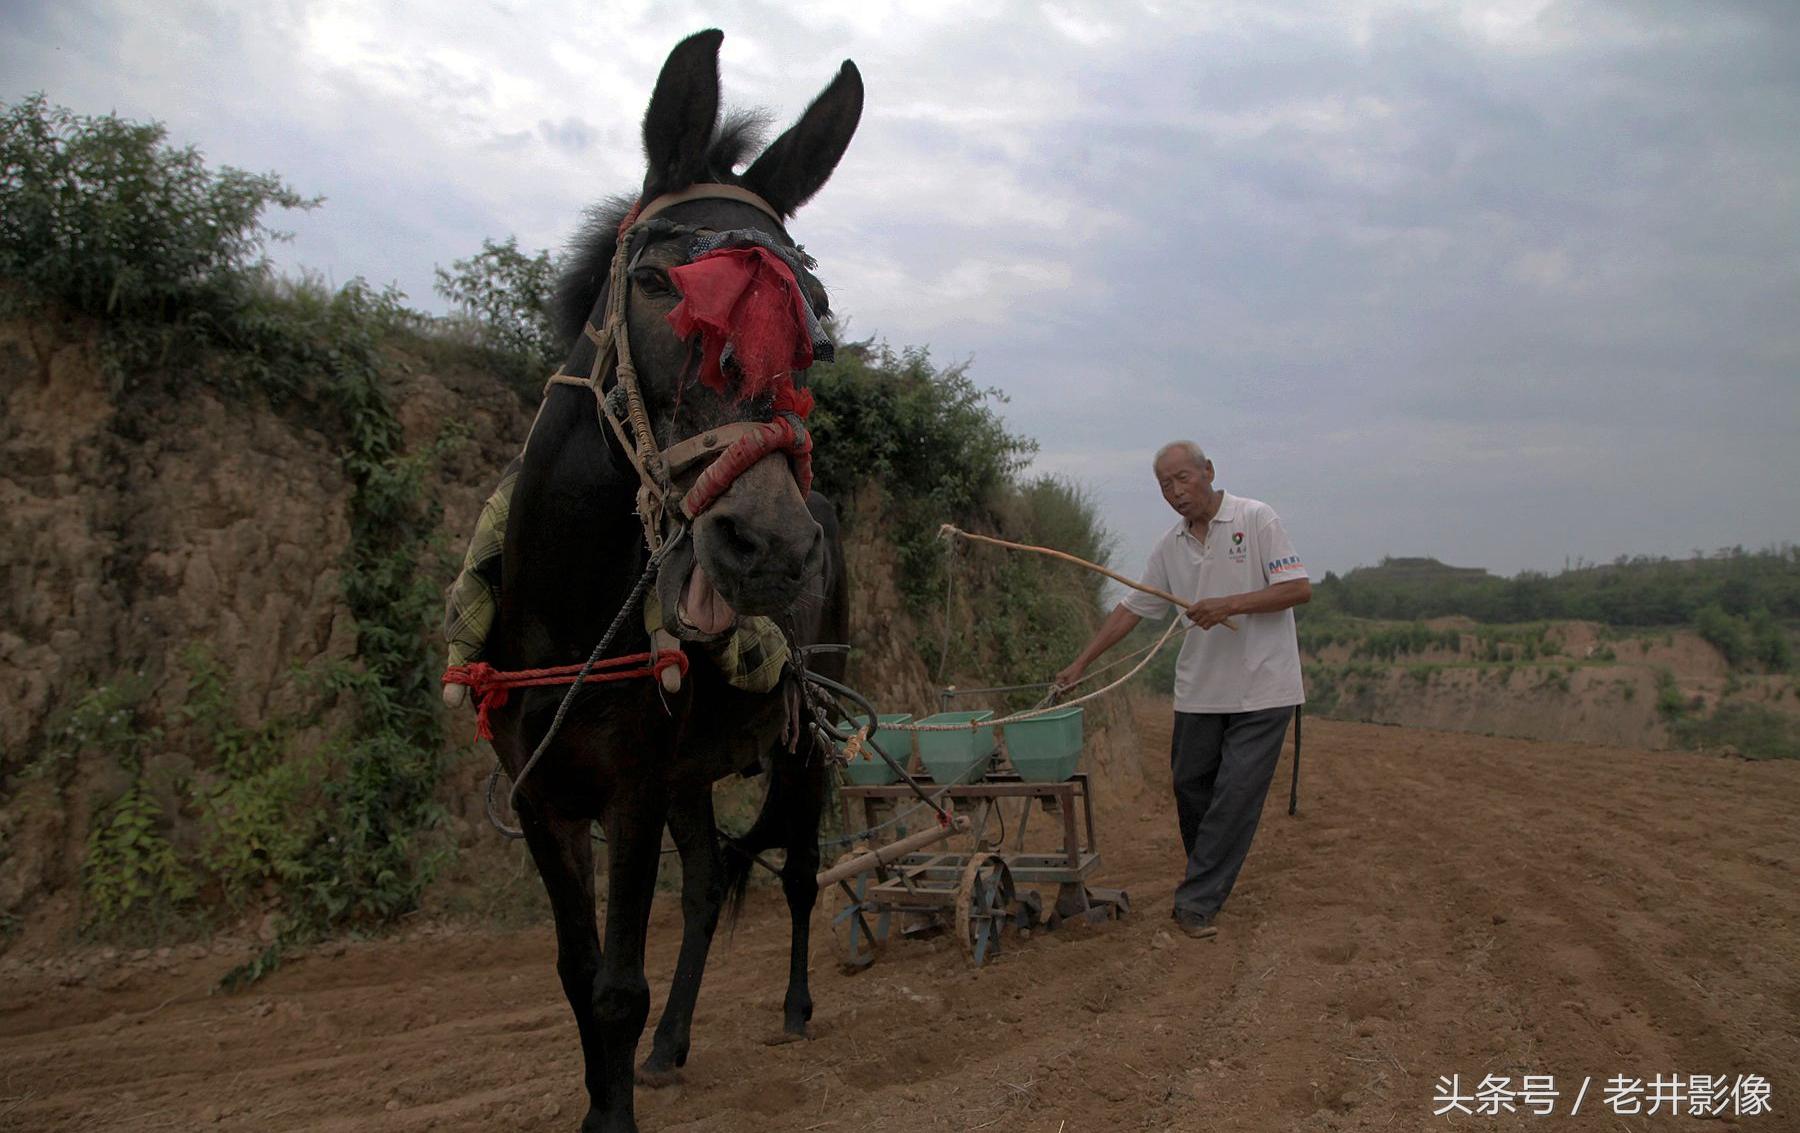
x,y
1392,642
1769,643
503,296
101,215
1725,633
104,722
130,865
1755,731
927,436
1670,704
256,804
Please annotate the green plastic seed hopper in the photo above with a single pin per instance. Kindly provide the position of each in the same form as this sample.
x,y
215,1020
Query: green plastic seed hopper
x,y
959,756
1047,748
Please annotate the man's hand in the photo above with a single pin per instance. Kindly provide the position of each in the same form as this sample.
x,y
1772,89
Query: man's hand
x,y
1209,612
1068,677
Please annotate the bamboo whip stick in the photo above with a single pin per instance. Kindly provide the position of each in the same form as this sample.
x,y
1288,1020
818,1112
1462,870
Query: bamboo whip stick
x,y
1179,603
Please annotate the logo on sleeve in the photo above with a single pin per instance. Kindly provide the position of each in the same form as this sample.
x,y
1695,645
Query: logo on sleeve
x,y
1285,566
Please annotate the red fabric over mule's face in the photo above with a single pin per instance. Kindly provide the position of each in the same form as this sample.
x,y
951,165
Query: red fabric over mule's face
x,y
747,297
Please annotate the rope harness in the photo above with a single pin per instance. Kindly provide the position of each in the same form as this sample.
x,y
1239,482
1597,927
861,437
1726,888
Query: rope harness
x,y
491,687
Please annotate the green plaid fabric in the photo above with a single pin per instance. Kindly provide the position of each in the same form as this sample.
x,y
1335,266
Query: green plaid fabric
x,y
751,658
474,596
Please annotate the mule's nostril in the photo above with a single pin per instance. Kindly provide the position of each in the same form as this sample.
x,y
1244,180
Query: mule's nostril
x,y
737,541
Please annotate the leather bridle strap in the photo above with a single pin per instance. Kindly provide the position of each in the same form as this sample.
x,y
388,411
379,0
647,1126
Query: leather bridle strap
x,y
708,193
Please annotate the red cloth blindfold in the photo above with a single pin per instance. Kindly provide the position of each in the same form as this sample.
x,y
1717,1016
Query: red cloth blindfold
x,y
747,299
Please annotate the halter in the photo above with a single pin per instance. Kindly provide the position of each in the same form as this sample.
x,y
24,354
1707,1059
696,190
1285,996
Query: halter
x,y
730,448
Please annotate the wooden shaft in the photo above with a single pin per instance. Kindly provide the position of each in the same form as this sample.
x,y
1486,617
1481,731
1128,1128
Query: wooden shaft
x,y
959,824
1179,603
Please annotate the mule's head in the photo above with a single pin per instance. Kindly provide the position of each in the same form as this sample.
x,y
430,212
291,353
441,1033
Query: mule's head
x,y
754,548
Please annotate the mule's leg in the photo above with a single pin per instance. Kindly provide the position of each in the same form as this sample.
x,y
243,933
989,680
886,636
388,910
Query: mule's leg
x,y
621,996
799,878
702,894
565,860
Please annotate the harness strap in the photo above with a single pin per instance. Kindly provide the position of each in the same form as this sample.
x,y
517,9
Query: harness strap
x,y
704,192
492,687
680,457
784,434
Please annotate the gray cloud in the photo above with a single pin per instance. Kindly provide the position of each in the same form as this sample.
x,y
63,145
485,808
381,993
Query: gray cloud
x,y
570,134
1503,282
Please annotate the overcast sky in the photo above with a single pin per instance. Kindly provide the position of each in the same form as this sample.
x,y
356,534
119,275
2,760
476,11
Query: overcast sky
x,y
1504,283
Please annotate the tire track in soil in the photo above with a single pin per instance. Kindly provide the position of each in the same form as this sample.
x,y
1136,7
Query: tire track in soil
x,y
1443,903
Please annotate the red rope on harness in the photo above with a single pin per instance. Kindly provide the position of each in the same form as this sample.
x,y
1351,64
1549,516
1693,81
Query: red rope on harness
x,y
779,435
491,687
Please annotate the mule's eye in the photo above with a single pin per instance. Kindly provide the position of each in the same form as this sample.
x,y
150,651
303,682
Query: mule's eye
x,y
654,283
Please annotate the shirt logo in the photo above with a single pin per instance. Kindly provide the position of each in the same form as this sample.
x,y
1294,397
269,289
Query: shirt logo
x,y
1239,553
1282,566
1237,538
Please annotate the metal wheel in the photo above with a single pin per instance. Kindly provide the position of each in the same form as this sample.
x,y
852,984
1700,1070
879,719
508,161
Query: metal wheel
x,y
984,901
856,930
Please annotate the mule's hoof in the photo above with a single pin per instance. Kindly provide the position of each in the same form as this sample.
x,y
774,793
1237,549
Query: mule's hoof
x,y
656,1079
783,1038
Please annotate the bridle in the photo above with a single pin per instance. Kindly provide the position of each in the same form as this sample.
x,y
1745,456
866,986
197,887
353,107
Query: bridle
x,y
722,453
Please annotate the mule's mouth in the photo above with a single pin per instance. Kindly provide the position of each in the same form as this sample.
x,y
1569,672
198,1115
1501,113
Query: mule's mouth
x,y
702,609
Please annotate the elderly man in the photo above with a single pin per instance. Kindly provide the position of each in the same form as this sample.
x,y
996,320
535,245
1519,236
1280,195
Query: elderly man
x,y
1236,684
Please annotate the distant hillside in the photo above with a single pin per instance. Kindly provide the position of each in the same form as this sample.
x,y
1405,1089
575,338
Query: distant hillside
x,y
1641,591
1418,568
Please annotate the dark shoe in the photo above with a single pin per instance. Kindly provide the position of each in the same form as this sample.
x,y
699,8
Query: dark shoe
x,y
1197,926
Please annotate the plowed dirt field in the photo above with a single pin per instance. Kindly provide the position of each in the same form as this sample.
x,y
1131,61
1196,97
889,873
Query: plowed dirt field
x,y
1443,904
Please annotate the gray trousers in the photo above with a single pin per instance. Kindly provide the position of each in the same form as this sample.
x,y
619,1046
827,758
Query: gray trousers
x,y
1222,764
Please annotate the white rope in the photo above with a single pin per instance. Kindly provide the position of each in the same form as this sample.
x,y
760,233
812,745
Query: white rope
x,y
1032,714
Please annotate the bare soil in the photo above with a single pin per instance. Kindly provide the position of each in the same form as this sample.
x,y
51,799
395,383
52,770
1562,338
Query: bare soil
x,y
1443,904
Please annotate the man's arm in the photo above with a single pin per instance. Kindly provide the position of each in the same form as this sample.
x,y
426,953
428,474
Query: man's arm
x,y
1113,630
1209,612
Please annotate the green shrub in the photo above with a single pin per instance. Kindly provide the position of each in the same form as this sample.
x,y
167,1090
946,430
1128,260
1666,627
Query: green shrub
x,y
927,436
1769,643
1755,731
1393,642
99,214
107,721
503,295
256,805
1670,704
130,865
1725,633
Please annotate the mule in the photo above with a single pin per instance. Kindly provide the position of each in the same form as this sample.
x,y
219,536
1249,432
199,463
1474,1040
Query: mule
x,y
630,754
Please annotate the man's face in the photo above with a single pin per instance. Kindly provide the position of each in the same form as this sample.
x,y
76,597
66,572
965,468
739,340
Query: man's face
x,y
1186,486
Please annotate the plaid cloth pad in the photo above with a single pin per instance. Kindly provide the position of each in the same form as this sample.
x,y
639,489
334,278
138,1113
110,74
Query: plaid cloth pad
x,y
469,610
751,658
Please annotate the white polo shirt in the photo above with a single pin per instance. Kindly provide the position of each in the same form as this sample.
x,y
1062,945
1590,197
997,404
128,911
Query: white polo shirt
x,y
1220,671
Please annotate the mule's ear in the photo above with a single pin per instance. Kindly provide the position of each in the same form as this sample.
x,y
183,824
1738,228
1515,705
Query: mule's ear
x,y
678,126
801,160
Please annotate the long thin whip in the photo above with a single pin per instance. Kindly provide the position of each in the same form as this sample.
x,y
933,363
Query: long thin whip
x,y
950,529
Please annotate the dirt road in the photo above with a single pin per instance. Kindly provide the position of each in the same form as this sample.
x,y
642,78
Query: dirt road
x,y
1444,904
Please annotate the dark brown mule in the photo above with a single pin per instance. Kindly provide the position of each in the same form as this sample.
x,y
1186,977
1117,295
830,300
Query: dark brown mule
x,y
627,754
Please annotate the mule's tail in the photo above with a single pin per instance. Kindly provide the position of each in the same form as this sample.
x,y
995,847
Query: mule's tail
x,y
740,859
